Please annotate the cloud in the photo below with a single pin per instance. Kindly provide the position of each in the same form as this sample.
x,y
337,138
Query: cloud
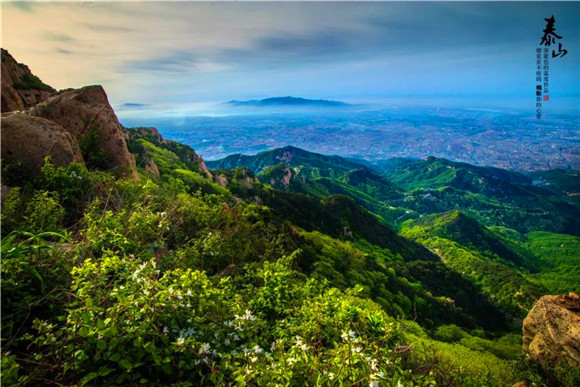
x,y
165,51
65,51
312,43
108,28
59,37
23,6
132,106
176,61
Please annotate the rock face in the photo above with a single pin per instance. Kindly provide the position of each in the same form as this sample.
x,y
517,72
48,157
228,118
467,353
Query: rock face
x,y
201,162
552,330
11,101
20,88
82,110
27,140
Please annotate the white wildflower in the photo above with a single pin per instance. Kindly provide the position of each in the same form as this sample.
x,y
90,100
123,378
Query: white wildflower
x,y
298,341
248,316
205,348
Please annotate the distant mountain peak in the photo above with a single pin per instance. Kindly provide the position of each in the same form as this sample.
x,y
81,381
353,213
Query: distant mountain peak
x,y
288,101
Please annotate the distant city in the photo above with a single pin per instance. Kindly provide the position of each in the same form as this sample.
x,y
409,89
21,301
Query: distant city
x,y
482,137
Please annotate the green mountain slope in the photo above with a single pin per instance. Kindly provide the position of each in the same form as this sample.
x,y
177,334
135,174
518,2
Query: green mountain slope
x,y
493,196
295,170
559,259
559,181
433,172
289,155
499,266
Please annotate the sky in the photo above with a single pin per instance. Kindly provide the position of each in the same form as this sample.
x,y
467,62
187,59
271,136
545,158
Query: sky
x,y
186,56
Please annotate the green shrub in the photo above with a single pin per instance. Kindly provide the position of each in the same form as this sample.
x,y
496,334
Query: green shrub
x,y
29,81
93,153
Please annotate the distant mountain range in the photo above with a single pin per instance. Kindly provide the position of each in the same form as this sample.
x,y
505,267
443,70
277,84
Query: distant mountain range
x,y
288,101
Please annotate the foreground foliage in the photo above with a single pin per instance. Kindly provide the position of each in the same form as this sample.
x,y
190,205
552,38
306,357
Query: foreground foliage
x,y
177,280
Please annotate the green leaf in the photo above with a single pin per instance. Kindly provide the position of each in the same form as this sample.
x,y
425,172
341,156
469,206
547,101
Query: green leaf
x,y
84,331
104,371
89,377
125,364
102,345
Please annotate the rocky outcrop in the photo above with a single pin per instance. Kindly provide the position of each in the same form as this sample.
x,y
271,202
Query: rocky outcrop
x,y
200,161
82,110
552,331
11,101
20,88
27,140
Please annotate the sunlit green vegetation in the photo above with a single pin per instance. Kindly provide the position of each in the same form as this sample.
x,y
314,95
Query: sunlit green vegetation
x,y
177,279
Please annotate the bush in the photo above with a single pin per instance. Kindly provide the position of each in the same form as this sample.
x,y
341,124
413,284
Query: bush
x,y
93,153
450,333
130,323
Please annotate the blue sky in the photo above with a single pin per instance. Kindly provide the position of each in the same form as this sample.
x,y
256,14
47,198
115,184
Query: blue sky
x,y
185,56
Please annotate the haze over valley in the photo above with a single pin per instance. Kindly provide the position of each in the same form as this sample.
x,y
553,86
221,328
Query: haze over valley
x,y
504,139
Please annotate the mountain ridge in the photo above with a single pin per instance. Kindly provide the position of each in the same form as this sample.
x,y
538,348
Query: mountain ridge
x,y
287,101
